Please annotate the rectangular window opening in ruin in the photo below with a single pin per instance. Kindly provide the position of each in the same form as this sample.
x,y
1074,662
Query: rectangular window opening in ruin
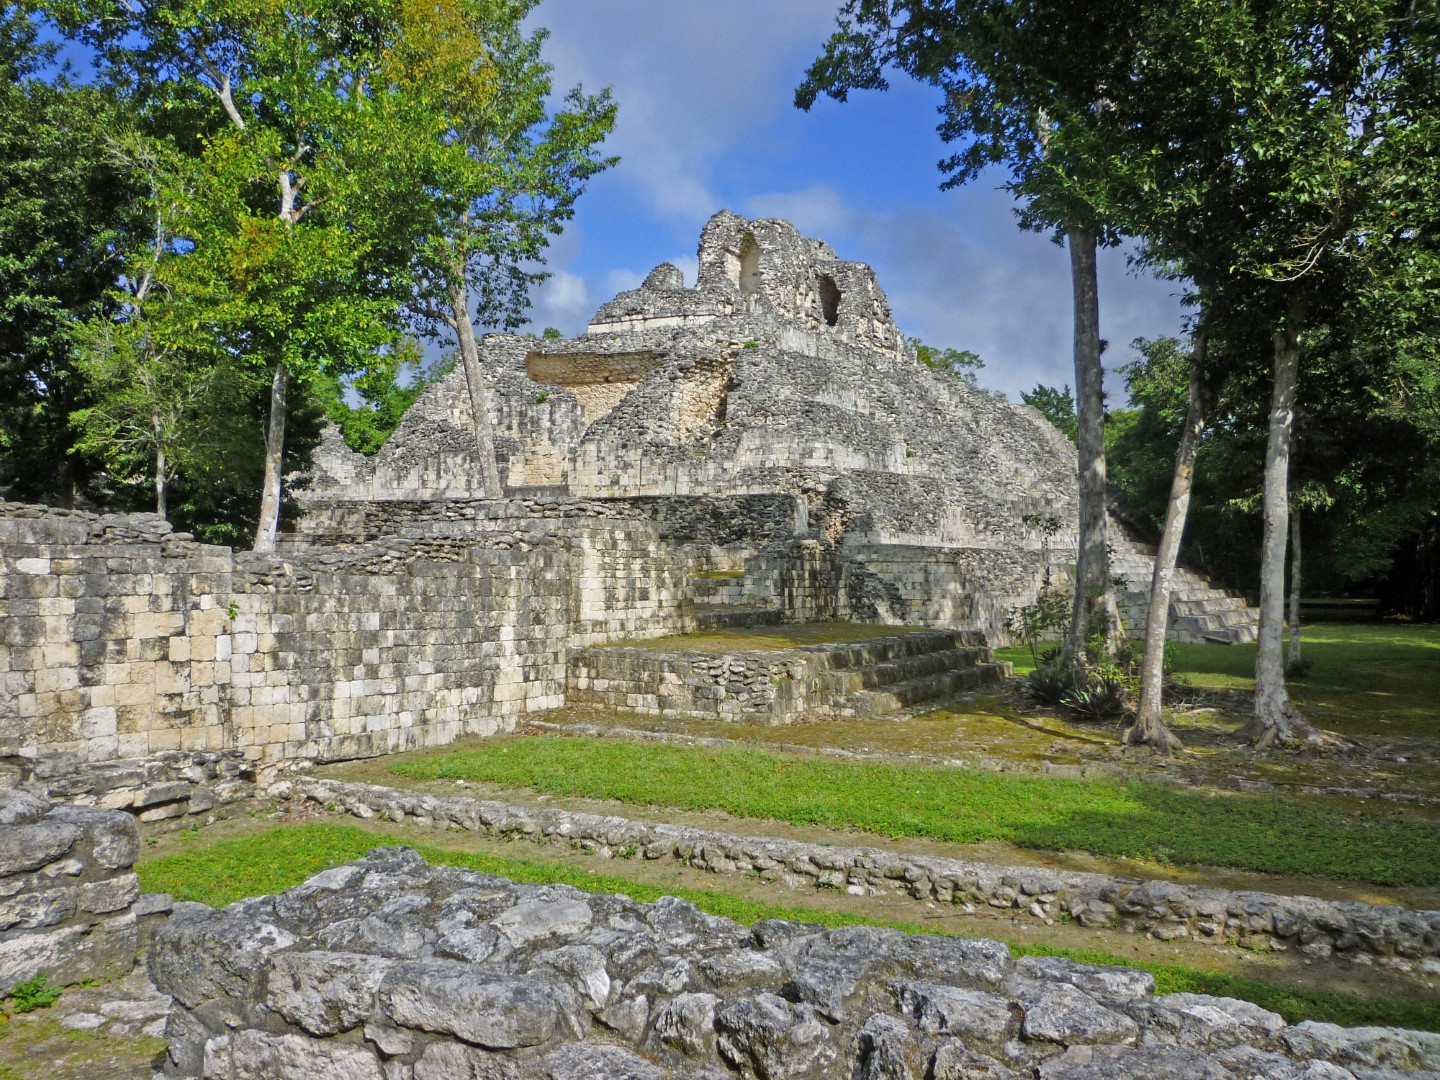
x,y
829,300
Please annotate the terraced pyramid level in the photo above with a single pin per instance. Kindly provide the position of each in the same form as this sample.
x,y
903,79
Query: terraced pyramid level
x,y
698,676
777,429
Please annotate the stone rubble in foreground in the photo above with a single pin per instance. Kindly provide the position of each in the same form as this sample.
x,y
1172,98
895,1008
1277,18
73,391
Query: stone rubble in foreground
x,y
392,969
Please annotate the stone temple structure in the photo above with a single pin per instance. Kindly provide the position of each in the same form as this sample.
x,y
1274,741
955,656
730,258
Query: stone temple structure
x,y
762,448
772,420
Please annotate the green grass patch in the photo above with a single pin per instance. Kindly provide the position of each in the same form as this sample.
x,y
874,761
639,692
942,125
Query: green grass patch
x,y
1265,833
1365,679
233,869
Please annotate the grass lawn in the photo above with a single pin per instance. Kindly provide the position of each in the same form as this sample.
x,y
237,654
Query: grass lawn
x,y
1265,833
1366,680
221,872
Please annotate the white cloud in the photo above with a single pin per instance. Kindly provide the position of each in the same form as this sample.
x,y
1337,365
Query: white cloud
x,y
563,301
704,94
692,80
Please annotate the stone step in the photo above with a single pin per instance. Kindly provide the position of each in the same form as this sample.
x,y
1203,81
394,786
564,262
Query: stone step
x,y
913,692
883,650
846,681
734,617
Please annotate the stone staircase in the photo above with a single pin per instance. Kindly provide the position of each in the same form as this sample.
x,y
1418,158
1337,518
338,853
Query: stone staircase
x,y
870,677
898,673
1199,612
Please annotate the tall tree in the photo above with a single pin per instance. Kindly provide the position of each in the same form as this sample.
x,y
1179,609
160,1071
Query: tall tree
x,y
284,219
62,201
504,175
1028,86
1295,107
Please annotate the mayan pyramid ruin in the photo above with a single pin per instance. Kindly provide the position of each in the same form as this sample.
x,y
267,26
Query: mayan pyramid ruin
x,y
771,416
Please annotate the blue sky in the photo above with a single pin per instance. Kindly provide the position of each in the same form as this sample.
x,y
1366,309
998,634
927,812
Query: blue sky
x,y
706,122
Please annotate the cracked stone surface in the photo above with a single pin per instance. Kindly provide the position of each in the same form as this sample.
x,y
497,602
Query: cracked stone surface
x,y
600,986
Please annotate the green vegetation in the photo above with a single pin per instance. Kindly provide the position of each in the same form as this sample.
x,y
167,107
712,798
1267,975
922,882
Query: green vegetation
x,y
32,994
1135,820
232,869
1365,680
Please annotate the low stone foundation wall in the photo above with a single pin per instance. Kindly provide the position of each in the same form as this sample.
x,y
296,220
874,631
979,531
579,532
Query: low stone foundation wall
x,y
1395,936
167,789
66,891
391,969
767,688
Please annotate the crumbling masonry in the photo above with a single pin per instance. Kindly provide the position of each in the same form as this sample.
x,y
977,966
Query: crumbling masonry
x,y
762,447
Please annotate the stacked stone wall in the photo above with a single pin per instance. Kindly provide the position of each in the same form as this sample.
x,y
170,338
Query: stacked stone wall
x,y
765,688
67,891
171,789
122,640
1367,933
391,969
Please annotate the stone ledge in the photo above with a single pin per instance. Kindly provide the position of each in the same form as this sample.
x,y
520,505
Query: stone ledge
x,y
392,969
1391,935
68,891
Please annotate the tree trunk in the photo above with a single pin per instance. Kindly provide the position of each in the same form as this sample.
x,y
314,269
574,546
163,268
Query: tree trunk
x,y
1093,605
274,450
1149,728
160,491
475,382
1292,658
1277,722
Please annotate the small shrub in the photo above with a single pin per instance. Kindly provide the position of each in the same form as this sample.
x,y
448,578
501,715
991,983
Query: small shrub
x,y
33,994
542,397
1102,697
1049,685
751,345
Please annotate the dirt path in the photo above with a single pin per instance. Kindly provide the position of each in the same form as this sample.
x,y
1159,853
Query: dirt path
x,y
104,1031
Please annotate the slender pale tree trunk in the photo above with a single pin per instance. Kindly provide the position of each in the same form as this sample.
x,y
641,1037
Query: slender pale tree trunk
x,y
1292,657
1149,727
475,382
1092,565
160,489
274,451
269,523
1277,722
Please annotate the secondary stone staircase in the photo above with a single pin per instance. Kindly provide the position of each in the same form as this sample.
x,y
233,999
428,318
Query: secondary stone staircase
x,y
871,677
896,673
1199,612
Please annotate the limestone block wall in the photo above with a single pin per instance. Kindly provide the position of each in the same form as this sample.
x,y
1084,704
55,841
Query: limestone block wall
x,y
624,583
114,640
357,660
121,640
66,891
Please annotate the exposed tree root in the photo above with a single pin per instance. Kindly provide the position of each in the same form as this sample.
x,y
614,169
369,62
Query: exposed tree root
x,y
1152,733
1291,731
